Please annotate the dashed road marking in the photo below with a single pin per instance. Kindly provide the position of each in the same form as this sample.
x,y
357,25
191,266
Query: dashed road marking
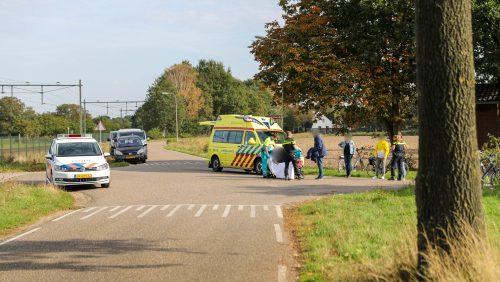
x,y
68,214
281,273
19,236
279,212
266,207
200,211
190,207
94,213
140,208
115,208
90,209
240,207
173,211
226,211
165,207
252,211
216,207
120,212
279,234
147,211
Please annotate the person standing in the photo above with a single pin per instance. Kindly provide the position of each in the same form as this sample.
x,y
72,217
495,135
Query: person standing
x,y
399,148
290,146
320,150
381,153
269,144
349,148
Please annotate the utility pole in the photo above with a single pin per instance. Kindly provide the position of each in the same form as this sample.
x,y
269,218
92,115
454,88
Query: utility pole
x,y
84,117
80,98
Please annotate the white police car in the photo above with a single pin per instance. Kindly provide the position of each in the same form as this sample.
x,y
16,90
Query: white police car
x,y
76,160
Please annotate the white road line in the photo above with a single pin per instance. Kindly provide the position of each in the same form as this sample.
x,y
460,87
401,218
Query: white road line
x,y
240,207
165,207
266,207
120,212
94,213
200,211
279,234
90,209
147,211
279,212
216,207
68,214
173,211
226,211
115,208
191,207
140,208
252,211
19,236
281,273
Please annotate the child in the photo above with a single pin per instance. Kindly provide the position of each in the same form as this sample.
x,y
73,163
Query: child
x,y
300,162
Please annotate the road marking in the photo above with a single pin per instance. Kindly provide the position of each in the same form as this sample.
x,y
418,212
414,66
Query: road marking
x,y
68,214
90,209
147,211
266,207
279,234
281,273
279,212
216,207
173,211
226,211
19,236
252,211
115,208
140,208
164,207
240,207
120,212
191,207
94,213
200,211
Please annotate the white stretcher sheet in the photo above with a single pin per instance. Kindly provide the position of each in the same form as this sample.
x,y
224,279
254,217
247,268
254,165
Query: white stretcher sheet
x,y
279,169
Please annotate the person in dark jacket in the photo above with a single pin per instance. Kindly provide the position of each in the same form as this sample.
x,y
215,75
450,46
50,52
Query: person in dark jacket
x,y
319,149
399,148
289,146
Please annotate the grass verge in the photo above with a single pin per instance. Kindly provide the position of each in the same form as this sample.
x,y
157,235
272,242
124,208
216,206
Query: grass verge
x,y
367,236
22,204
334,172
196,146
18,167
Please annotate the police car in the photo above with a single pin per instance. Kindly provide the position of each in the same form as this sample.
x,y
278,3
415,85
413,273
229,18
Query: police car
x,y
76,160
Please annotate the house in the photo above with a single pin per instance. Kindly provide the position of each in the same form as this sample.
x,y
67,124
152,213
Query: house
x,y
323,124
487,111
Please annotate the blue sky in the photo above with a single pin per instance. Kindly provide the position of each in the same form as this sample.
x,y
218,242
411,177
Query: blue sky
x,y
118,47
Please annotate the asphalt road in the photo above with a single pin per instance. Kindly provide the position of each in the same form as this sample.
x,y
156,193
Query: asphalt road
x,y
171,219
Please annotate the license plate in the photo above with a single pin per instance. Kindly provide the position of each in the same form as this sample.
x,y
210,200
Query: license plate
x,y
130,157
79,176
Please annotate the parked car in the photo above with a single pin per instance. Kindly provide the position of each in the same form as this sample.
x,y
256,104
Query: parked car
x,y
135,132
111,139
130,148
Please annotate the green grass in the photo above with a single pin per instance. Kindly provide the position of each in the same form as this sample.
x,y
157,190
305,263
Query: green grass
x,y
196,146
334,172
20,167
118,164
22,204
342,237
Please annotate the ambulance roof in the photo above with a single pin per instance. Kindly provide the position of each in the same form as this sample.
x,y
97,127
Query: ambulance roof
x,y
244,122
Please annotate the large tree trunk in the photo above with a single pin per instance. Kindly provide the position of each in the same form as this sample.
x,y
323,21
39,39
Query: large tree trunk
x,y
448,184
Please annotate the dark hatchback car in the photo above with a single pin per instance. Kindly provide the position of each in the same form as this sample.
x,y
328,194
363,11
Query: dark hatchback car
x,y
130,148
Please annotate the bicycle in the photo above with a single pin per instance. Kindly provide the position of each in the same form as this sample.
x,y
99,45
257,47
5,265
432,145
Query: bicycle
x,y
491,172
358,158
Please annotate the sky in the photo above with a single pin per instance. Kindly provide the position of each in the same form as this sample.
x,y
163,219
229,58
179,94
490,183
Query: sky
x,y
118,47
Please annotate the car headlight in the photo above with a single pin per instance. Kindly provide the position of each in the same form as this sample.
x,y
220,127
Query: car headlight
x,y
59,168
103,167
118,153
141,151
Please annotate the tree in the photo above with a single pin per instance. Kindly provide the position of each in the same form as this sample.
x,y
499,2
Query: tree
x,y
486,35
11,115
183,77
448,184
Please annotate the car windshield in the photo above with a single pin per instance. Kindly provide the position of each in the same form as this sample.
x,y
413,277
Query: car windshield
x,y
139,134
74,149
264,134
129,142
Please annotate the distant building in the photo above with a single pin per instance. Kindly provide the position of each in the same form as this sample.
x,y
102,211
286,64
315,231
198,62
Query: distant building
x,y
323,124
487,111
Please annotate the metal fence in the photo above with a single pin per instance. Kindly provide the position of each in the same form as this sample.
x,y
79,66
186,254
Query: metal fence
x,y
17,148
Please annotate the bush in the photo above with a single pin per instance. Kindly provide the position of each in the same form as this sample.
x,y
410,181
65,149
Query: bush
x,y
155,133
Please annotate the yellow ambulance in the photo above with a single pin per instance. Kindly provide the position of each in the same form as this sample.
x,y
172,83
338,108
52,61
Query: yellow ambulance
x,y
237,141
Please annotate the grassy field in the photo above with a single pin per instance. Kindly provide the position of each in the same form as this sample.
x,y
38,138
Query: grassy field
x,y
368,236
22,204
196,146
18,167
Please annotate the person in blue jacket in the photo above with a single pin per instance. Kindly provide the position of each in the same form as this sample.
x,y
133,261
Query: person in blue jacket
x,y
320,152
349,149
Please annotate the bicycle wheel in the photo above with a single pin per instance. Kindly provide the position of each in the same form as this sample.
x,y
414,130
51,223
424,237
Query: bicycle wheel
x,y
341,166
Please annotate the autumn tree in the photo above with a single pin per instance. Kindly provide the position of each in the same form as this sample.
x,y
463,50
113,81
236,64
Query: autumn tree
x,y
448,184
183,77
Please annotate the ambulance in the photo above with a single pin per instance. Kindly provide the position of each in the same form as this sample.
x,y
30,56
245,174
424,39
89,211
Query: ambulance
x,y
237,141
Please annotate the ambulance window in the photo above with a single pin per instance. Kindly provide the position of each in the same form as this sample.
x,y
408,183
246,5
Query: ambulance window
x,y
249,135
235,136
221,136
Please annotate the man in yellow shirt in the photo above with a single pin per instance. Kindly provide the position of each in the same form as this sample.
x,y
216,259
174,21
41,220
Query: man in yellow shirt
x,y
381,153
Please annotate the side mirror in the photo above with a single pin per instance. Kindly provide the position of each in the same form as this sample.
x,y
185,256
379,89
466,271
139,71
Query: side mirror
x,y
107,154
48,157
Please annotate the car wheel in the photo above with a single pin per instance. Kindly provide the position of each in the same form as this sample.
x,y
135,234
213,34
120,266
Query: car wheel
x,y
143,161
257,166
216,165
105,185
